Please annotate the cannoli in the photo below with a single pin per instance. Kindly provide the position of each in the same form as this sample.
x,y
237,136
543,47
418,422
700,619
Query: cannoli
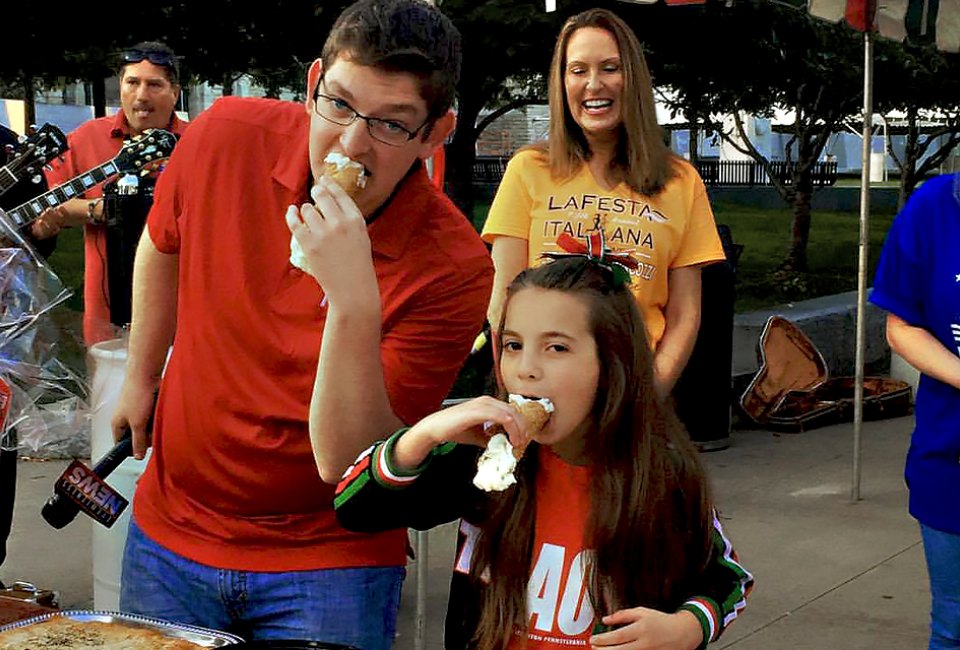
x,y
499,460
348,174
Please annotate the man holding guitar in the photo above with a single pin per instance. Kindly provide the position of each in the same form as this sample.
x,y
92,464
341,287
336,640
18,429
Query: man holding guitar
x,y
149,90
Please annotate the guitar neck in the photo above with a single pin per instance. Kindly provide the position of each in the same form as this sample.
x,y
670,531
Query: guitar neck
x,y
7,176
29,211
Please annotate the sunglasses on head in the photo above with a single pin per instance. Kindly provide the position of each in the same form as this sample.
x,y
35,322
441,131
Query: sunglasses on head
x,y
157,58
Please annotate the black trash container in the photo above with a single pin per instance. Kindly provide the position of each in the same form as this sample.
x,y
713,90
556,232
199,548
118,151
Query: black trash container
x,y
704,392
8,489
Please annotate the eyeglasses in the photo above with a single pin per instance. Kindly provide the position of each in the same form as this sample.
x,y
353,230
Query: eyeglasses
x,y
339,112
164,59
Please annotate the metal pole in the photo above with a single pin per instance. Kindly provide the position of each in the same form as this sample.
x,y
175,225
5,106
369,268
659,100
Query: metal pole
x,y
862,262
423,550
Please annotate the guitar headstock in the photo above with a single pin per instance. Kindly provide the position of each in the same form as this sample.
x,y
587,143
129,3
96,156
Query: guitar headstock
x,y
145,151
34,151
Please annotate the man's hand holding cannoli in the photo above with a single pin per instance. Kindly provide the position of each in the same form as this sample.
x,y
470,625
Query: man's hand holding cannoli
x,y
332,234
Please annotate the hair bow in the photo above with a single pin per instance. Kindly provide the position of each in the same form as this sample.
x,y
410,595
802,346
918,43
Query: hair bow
x,y
595,249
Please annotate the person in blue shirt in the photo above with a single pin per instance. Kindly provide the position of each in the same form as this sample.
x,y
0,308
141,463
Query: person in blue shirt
x,y
918,284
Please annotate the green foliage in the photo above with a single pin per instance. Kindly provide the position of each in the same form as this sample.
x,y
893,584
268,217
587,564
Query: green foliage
x,y
223,39
771,56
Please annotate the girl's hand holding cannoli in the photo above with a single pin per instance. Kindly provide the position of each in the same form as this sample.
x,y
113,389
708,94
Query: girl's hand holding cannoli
x,y
496,466
467,423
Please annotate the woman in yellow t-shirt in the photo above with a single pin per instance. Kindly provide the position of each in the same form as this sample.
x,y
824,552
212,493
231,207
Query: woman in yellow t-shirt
x,y
605,165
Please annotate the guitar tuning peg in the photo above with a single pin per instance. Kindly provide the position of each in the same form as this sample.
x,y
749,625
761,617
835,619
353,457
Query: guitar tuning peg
x,y
32,129
21,139
35,179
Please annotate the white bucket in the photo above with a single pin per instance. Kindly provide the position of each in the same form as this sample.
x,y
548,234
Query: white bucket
x,y
108,363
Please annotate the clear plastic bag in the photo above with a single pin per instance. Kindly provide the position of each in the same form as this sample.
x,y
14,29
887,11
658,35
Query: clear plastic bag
x,y
28,288
48,401
48,409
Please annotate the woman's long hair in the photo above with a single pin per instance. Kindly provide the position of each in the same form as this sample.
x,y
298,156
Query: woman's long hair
x,y
642,158
650,519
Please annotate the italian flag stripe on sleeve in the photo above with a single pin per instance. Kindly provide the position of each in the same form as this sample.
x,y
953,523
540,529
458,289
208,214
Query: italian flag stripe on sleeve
x,y
738,597
354,471
346,490
386,475
708,615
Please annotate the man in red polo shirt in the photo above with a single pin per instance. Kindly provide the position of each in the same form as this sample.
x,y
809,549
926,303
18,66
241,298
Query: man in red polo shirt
x,y
148,94
233,525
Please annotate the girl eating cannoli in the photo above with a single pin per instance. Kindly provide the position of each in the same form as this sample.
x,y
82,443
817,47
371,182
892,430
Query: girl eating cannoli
x,y
609,536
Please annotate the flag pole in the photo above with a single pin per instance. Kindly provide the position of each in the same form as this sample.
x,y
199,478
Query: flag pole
x,y
862,261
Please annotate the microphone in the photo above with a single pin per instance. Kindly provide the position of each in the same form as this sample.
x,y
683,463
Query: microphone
x,y
81,488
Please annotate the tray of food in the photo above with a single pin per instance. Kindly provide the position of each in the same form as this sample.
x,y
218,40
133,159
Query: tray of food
x,y
98,630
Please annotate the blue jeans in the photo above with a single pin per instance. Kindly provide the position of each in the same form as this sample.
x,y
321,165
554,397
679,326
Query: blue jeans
x,y
355,607
943,564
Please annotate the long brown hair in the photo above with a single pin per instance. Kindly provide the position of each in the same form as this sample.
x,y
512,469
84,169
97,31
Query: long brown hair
x,y
642,157
651,516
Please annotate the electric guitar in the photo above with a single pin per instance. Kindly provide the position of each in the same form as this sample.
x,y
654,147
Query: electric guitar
x,y
29,158
139,155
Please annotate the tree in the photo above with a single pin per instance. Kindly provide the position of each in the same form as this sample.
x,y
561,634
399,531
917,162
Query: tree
x,y
37,52
770,57
507,46
222,40
924,83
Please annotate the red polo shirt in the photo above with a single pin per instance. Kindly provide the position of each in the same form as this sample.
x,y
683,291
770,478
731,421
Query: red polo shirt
x,y
232,481
93,143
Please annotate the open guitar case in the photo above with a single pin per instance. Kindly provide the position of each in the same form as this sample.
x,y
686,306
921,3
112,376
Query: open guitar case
x,y
793,392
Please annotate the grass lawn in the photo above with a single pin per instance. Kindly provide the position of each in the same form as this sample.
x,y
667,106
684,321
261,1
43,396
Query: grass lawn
x,y
832,253
765,235
67,263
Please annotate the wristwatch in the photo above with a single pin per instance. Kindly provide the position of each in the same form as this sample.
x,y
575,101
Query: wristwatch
x,y
92,211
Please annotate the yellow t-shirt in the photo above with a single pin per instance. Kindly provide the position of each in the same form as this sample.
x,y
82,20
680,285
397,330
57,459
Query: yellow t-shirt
x,y
671,230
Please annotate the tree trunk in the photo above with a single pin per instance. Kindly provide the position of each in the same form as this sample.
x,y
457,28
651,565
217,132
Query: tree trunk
x,y
29,100
99,97
195,100
227,84
908,181
803,182
911,153
693,151
461,155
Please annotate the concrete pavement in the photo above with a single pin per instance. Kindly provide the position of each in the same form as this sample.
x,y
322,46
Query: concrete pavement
x,y
831,574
